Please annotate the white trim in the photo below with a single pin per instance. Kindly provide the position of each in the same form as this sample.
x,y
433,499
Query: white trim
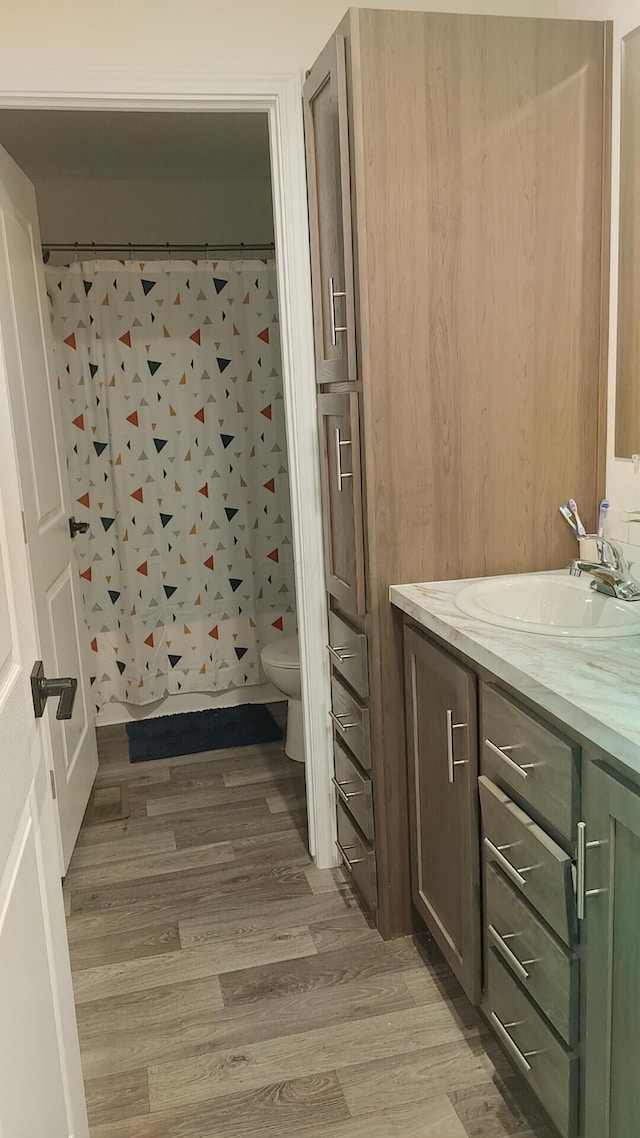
x,y
281,97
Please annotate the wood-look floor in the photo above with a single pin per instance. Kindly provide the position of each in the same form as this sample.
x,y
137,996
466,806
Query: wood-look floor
x,y
226,988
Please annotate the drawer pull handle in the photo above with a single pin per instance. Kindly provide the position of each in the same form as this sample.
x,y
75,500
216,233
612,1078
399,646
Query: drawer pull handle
x,y
349,862
340,473
581,871
344,794
451,762
521,1058
335,328
510,870
523,770
335,652
337,719
509,956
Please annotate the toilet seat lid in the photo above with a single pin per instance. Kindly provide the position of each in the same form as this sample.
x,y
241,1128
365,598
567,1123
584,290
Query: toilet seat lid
x,y
282,653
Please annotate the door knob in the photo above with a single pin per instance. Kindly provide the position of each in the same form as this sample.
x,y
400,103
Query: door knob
x,y
63,688
77,527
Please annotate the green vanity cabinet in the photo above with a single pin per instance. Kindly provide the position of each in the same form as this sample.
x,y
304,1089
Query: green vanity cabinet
x,y
442,755
611,954
557,851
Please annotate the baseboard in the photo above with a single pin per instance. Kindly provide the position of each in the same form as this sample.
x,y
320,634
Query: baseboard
x,y
188,701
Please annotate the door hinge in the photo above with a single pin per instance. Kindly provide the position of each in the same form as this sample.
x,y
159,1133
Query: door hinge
x,y
24,528
54,793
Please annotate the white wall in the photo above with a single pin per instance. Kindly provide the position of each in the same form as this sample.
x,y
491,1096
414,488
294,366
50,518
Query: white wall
x,y
223,210
623,483
204,35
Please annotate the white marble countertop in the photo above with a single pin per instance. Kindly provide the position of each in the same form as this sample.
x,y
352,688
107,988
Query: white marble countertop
x,y
593,686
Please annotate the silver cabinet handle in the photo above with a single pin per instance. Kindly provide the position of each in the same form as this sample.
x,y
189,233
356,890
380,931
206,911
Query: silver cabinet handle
x,y
523,770
581,870
337,719
510,870
451,762
335,328
521,1058
510,957
345,796
335,652
349,862
340,473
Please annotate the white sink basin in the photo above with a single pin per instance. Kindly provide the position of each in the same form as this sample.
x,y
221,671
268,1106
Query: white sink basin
x,y
549,604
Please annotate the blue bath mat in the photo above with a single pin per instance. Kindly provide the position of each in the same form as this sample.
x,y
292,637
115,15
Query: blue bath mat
x,y
194,731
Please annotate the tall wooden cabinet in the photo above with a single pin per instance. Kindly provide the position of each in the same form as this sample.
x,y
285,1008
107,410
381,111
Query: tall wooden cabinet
x,y
458,202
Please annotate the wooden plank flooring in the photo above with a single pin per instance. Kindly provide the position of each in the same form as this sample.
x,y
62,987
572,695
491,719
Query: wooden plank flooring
x,y
226,988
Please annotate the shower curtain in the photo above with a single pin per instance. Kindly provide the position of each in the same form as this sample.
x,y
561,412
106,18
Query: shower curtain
x,y
170,384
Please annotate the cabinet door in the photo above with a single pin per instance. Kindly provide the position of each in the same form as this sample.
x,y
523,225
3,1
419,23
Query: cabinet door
x,y
442,752
612,955
329,189
342,499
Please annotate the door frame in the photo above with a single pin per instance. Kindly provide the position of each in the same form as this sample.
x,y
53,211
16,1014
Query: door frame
x,y
280,96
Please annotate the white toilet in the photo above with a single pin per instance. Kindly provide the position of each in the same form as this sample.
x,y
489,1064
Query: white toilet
x,y
281,664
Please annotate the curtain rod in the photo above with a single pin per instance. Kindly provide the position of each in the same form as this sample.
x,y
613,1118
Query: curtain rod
x,y
95,247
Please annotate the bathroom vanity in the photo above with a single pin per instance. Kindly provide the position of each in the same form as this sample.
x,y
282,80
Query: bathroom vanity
x,y
524,785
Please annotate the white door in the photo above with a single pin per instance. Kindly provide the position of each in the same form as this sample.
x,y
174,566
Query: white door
x,y
25,341
41,1093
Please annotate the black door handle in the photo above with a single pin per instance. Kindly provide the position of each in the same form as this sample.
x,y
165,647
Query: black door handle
x,y
64,687
77,527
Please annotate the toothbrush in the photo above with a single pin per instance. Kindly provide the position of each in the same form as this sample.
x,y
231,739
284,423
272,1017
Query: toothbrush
x,y
568,517
604,506
580,530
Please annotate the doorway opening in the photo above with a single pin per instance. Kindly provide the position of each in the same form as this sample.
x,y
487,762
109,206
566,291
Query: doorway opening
x,y
64,196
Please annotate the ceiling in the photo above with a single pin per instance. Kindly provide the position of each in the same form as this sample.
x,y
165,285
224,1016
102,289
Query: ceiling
x,y
125,144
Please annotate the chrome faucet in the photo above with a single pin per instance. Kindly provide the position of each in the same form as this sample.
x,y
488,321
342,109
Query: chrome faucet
x,y
611,574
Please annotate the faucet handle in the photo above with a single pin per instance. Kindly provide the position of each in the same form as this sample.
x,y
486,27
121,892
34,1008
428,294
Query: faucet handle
x,y
611,554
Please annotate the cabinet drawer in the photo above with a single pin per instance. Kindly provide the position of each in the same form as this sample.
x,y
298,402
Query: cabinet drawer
x,y
351,722
542,965
532,861
537,764
348,653
549,1068
341,475
358,859
354,789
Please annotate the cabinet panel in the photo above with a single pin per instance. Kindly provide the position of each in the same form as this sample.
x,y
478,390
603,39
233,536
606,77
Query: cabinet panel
x,y
354,788
349,653
532,861
358,859
442,755
542,965
342,499
526,756
549,1068
351,721
329,189
612,940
